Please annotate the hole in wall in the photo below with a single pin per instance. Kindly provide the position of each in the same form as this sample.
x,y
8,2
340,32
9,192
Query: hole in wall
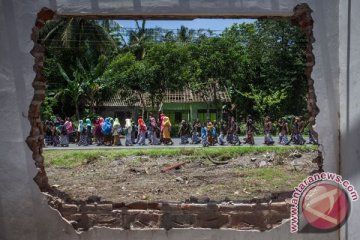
x,y
84,215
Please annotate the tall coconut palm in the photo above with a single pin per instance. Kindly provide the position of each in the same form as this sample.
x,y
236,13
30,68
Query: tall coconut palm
x,y
139,39
76,34
185,35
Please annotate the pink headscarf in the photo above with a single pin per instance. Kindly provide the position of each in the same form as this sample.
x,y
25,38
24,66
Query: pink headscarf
x,y
162,121
101,121
68,126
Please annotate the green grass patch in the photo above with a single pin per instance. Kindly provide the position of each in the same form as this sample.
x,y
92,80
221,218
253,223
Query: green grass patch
x,y
271,179
72,158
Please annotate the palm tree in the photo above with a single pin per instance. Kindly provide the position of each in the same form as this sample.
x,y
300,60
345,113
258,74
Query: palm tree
x,y
138,40
75,34
185,35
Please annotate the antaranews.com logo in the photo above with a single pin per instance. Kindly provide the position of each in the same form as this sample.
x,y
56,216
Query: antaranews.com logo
x,y
321,203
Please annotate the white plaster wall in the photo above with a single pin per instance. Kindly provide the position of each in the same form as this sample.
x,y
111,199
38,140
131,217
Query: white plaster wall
x,y
349,87
23,212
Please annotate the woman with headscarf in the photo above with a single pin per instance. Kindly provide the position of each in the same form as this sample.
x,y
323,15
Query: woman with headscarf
x,y
195,132
161,123
166,131
284,131
106,130
302,128
97,132
69,128
64,137
184,132
153,131
250,129
141,131
89,131
204,135
128,130
221,138
83,134
267,131
233,129
116,129
210,133
296,136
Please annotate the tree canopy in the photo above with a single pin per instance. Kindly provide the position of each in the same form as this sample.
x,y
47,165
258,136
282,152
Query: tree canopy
x,y
261,64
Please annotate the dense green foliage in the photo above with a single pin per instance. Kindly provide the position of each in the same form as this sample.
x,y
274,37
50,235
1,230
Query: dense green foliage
x,y
260,64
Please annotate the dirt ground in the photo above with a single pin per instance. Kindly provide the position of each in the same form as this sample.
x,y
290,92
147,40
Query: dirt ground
x,y
199,179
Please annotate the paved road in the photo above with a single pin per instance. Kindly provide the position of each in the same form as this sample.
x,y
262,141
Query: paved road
x,y
259,141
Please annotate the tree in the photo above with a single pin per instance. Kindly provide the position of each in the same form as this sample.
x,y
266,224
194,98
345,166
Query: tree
x,y
271,61
77,34
185,35
69,41
139,39
130,77
217,60
172,68
75,87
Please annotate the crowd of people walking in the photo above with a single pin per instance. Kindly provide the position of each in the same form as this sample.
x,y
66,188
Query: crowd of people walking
x,y
108,132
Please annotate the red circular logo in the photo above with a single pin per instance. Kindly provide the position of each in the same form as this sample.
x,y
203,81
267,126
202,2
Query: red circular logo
x,y
325,206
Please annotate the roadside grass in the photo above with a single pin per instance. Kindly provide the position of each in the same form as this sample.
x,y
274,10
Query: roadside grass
x,y
73,158
255,182
267,180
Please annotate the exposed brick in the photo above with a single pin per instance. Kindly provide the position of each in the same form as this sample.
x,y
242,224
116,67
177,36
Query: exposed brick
x,y
85,222
247,219
277,216
35,34
154,206
146,220
68,208
45,14
171,208
37,50
280,206
236,207
87,208
118,205
194,208
74,217
104,207
105,218
182,221
137,205
211,220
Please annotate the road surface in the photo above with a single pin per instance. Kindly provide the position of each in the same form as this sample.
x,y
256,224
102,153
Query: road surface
x,y
259,141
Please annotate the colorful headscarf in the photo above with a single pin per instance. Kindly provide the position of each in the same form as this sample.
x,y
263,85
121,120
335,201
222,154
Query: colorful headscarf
x,y
68,126
116,123
106,127
88,122
101,121
128,123
81,126
167,121
141,124
153,121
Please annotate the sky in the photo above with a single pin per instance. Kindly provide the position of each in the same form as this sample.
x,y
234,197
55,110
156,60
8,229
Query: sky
x,y
212,24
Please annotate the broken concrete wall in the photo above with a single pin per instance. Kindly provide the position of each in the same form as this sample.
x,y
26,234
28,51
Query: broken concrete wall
x,y
24,212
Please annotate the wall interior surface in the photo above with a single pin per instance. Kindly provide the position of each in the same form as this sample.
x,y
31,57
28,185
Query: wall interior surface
x,y
24,211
